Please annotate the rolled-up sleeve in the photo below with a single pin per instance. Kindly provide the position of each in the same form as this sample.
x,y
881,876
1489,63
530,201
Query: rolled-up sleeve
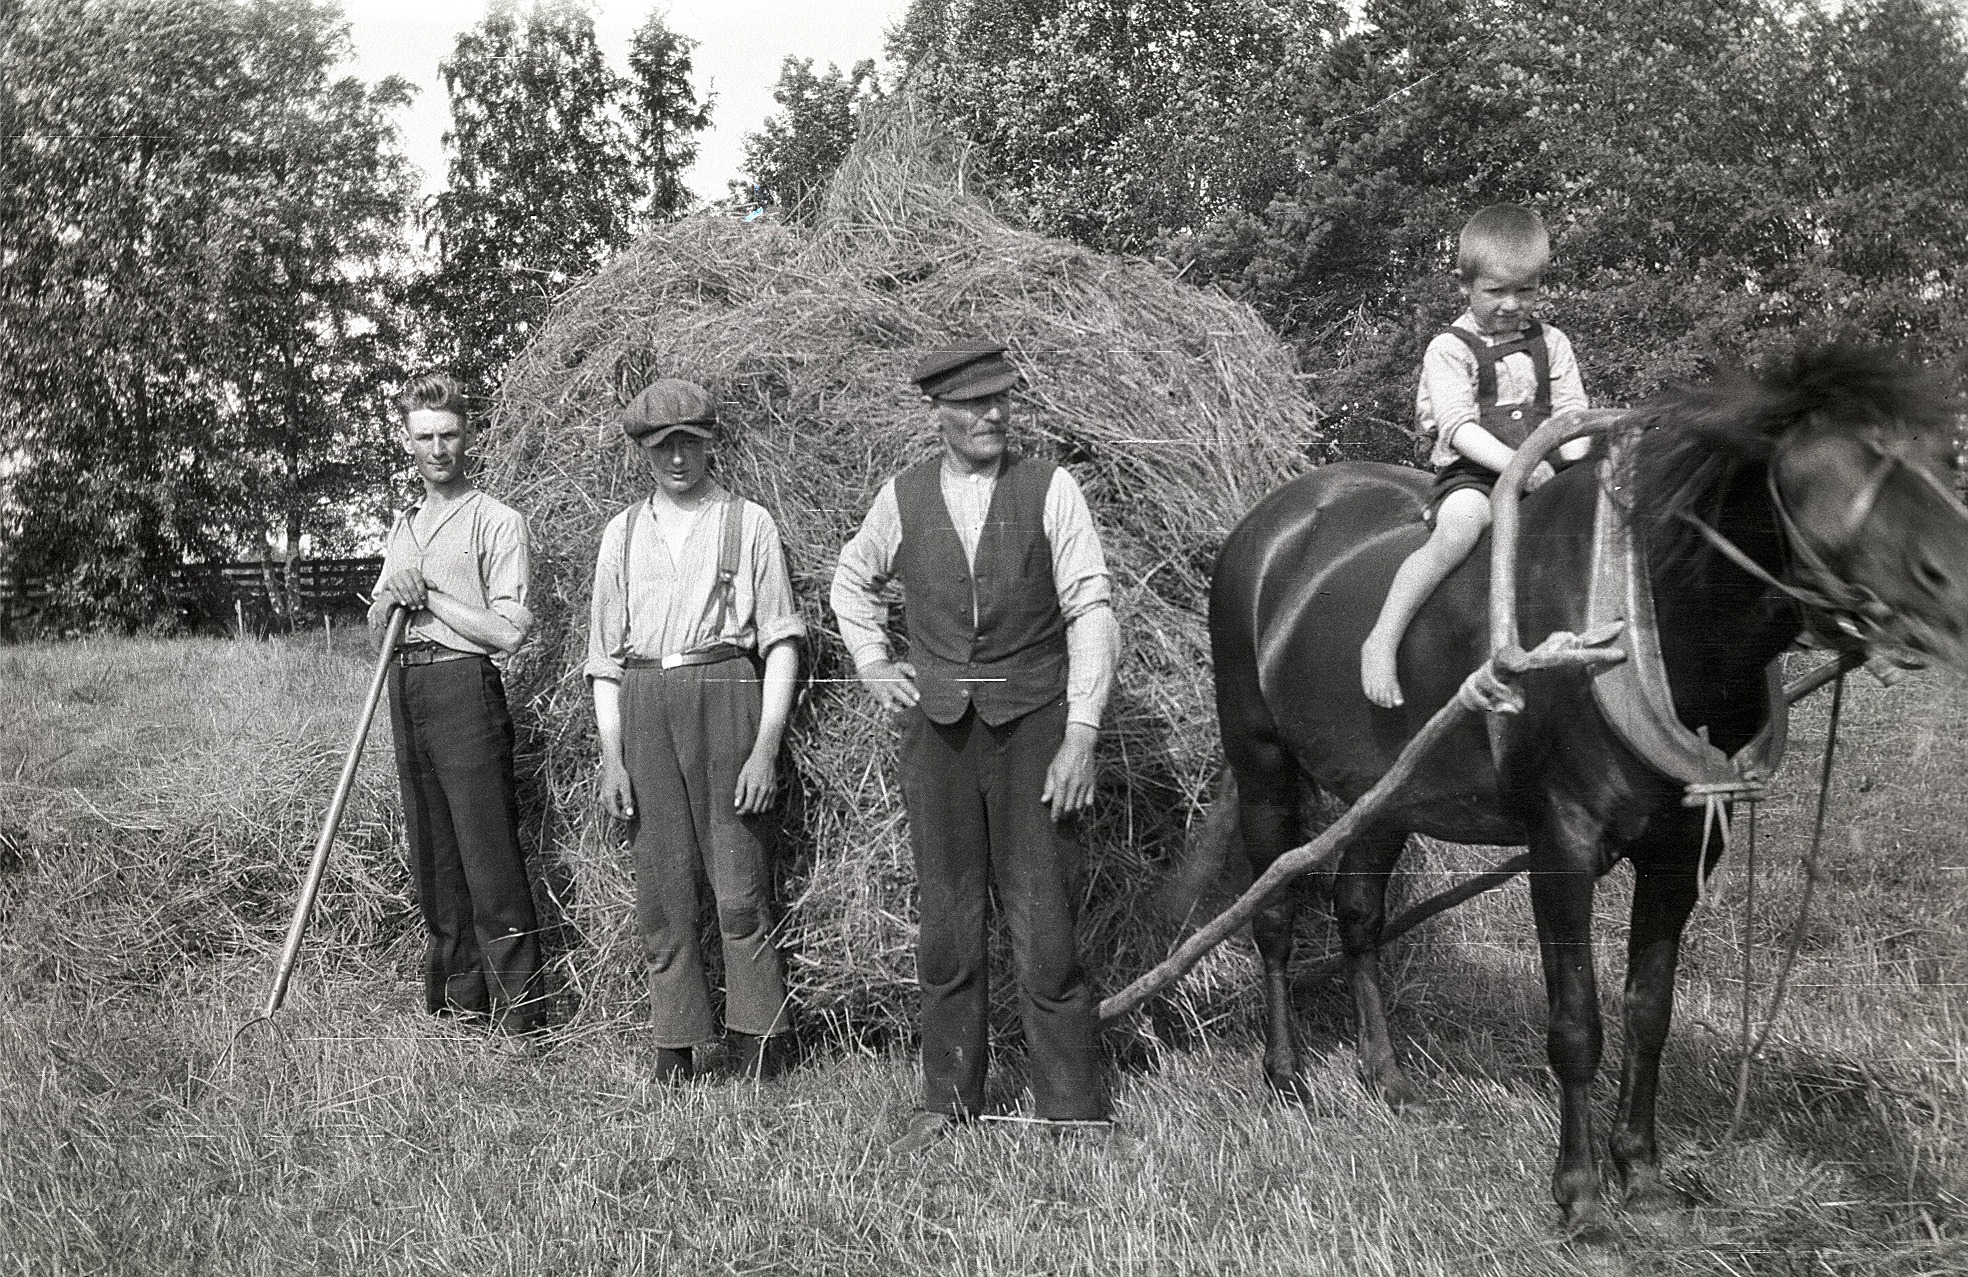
x,y
1085,587
509,572
775,615
866,562
607,608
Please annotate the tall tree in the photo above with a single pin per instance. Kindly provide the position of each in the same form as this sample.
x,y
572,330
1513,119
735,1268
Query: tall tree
x,y
790,159
664,116
542,181
1115,122
195,227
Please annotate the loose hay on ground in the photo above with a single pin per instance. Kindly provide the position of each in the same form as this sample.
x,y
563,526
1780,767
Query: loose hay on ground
x,y
1173,406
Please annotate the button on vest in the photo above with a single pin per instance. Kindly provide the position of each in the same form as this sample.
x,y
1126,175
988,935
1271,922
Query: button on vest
x,y
991,635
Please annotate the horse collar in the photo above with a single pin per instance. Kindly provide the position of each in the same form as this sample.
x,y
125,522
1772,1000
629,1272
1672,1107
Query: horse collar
x,y
1634,697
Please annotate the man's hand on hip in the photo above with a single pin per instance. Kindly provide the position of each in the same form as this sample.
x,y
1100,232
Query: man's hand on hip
x,y
893,684
1069,781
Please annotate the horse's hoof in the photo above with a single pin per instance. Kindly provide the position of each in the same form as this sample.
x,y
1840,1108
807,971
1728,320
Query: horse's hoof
x,y
1290,1087
1649,1194
1585,1224
1395,1090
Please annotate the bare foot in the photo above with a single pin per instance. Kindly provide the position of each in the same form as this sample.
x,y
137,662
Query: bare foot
x,y
1377,673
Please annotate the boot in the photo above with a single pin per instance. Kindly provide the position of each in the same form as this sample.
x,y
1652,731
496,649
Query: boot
x,y
757,1059
673,1065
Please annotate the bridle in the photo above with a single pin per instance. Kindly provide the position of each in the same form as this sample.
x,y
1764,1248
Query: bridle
x,y
1860,617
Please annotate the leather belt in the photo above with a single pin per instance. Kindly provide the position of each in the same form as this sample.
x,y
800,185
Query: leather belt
x,y
429,654
676,660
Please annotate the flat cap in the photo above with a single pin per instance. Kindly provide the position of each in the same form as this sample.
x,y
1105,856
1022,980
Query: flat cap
x,y
667,406
966,370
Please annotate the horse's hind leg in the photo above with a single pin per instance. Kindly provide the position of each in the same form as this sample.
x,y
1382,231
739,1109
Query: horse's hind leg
x,y
1663,897
1267,818
1360,908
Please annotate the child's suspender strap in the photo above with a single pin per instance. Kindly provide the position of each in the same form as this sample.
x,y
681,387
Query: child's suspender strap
x,y
731,526
1531,343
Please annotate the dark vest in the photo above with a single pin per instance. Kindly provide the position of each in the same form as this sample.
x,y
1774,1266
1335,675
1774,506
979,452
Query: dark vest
x,y
1511,423
1012,659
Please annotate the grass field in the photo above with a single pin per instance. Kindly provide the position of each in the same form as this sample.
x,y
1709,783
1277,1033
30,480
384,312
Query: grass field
x,y
157,802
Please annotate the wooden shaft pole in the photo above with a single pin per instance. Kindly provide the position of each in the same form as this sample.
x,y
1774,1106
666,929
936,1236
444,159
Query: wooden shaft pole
x,y
1312,855
311,885
1441,902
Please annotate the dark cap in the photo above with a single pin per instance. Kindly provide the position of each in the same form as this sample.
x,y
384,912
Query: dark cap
x,y
966,370
667,406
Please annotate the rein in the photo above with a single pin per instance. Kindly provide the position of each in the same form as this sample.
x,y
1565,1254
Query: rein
x,y
1856,610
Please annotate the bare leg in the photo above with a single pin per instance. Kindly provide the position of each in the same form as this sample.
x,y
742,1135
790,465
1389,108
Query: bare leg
x,y
1459,522
1360,907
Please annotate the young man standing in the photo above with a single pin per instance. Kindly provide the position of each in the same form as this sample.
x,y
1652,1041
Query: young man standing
x,y
690,589
459,562
1012,646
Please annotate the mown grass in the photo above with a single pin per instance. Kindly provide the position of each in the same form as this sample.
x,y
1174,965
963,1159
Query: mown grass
x,y
157,801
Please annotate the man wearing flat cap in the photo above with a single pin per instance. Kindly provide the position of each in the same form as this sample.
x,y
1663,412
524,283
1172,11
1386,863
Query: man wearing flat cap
x,y
1012,645
690,591
459,562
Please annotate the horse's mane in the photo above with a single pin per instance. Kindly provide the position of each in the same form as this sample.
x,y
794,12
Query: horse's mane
x,y
1699,441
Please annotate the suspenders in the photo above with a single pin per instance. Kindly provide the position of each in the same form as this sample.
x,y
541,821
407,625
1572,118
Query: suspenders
x,y
730,524
1531,343
731,527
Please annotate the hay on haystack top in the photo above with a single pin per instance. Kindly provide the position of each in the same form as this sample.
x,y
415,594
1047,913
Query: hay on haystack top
x,y
1173,406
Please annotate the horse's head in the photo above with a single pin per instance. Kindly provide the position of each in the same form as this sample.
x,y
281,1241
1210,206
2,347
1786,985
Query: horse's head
x,y
1862,472
1835,469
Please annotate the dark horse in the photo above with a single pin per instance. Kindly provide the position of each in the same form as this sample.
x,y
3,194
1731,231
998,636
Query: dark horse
x,y
1836,449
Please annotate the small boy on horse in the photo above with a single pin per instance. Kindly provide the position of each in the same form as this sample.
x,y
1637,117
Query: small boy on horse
x,y
1487,380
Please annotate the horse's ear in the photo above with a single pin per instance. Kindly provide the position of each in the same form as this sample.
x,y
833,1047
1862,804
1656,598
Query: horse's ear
x,y
1857,385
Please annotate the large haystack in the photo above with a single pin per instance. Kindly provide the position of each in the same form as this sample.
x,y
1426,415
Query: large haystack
x,y
1175,407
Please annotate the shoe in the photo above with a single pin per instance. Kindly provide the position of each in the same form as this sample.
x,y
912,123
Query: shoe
x,y
756,1059
924,1129
1105,1133
673,1065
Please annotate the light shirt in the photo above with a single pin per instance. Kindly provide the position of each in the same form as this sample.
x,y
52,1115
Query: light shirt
x,y
1079,574
1445,401
476,552
670,604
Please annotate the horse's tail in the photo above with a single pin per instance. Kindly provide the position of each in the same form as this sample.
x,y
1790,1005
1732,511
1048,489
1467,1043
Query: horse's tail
x,y
1213,852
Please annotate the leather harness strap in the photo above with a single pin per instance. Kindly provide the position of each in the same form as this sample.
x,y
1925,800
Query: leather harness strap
x,y
1634,695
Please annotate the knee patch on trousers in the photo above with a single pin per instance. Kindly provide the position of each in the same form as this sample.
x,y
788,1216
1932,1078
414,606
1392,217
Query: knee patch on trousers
x,y
740,919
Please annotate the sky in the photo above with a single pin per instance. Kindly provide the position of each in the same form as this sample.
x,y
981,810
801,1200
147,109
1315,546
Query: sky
x,y
740,45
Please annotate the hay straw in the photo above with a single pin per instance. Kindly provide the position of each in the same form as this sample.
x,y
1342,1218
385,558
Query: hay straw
x,y
1173,406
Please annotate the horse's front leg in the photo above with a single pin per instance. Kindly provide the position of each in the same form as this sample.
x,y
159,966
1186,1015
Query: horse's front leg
x,y
1663,896
1563,876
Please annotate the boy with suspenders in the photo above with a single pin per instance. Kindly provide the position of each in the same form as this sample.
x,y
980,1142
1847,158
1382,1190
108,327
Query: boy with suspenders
x,y
1487,381
690,590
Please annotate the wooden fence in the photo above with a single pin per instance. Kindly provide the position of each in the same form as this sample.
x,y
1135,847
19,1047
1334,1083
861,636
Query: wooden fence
x,y
269,590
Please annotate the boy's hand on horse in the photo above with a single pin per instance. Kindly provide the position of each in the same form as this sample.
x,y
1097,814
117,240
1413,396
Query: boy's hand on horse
x,y
893,684
1069,780
1540,474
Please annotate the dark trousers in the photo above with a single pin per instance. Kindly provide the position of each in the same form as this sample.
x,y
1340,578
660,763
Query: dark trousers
x,y
976,822
454,753
686,734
